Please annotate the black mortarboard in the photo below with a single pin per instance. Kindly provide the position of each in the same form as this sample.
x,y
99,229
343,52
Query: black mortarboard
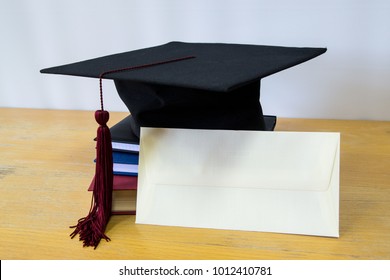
x,y
192,85
178,85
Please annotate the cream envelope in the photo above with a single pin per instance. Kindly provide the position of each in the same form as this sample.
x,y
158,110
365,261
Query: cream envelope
x,y
285,182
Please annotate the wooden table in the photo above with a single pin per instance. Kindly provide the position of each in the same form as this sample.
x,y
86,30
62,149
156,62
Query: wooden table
x,y
46,166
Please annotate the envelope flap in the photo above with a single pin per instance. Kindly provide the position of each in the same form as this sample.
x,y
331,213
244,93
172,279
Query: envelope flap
x,y
245,159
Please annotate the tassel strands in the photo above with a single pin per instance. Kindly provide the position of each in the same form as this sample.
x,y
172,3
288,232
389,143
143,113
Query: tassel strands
x,y
92,227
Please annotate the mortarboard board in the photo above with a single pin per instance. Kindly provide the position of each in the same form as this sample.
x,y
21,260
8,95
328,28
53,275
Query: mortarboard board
x,y
214,86
179,85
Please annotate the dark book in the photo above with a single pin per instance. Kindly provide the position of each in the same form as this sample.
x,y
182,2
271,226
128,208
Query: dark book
x,y
124,195
123,139
270,122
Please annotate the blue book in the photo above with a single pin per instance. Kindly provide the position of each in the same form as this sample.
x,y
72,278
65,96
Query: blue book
x,y
125,163
125,158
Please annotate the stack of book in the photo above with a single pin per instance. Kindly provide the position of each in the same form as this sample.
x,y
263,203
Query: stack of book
x,y
125,154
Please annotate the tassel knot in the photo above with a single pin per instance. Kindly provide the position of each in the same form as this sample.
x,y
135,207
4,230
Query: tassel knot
x,y
102,117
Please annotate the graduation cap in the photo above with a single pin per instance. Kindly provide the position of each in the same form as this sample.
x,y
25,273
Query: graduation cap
x,y
181,85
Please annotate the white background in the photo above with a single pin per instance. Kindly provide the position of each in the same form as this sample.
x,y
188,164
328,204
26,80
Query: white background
x,y
350,81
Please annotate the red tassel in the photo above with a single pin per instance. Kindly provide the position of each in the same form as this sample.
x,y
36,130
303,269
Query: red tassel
x,y
92,227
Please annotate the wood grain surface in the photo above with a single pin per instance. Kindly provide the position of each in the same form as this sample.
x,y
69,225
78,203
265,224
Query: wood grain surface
x,y
46,165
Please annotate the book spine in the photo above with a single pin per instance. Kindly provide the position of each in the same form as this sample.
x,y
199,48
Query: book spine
x,y
123,173
126,158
